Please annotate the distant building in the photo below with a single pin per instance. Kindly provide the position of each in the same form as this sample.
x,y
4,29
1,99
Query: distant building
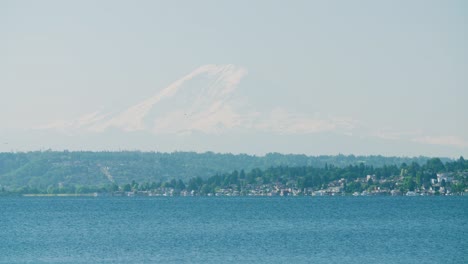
x,y
447,177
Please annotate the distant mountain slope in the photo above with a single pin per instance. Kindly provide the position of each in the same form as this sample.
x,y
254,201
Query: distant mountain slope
x,y
42,169
199,101
204,101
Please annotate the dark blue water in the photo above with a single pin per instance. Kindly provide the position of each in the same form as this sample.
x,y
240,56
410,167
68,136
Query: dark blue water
x,y
233,230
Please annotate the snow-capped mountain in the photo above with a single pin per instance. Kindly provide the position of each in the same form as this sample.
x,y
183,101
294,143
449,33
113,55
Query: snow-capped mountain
x,y
206,101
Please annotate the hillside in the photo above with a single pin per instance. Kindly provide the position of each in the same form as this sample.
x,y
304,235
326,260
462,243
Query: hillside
x,y
51,168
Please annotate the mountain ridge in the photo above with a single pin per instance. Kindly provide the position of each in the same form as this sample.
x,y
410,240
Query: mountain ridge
x,y
203,100
44,168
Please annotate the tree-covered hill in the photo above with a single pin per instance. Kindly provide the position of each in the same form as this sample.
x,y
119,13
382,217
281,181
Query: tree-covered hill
x,y
433,177
40,169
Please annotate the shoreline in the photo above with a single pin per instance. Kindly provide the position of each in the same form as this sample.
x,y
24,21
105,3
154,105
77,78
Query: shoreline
x,y
214,196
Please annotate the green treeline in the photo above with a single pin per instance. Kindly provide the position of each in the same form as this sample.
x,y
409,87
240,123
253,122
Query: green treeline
x,y
84,169
353,178
432,177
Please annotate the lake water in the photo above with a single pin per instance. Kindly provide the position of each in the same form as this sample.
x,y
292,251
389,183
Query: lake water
x,y
234,230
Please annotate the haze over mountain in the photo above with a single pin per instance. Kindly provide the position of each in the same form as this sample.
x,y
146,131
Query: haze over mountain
x,y
204,105
305,77
204,101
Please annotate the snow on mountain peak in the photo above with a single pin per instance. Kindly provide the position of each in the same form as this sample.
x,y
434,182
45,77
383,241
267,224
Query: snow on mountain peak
x,y
197,101
202,101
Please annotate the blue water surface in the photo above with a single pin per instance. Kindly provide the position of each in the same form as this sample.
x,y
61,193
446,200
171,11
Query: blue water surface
x,y
234,230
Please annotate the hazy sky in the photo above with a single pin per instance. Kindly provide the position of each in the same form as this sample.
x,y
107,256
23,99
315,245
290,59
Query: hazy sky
x,y
313,77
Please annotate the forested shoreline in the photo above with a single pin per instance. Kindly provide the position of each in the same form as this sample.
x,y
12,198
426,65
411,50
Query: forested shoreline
x,y
212,174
